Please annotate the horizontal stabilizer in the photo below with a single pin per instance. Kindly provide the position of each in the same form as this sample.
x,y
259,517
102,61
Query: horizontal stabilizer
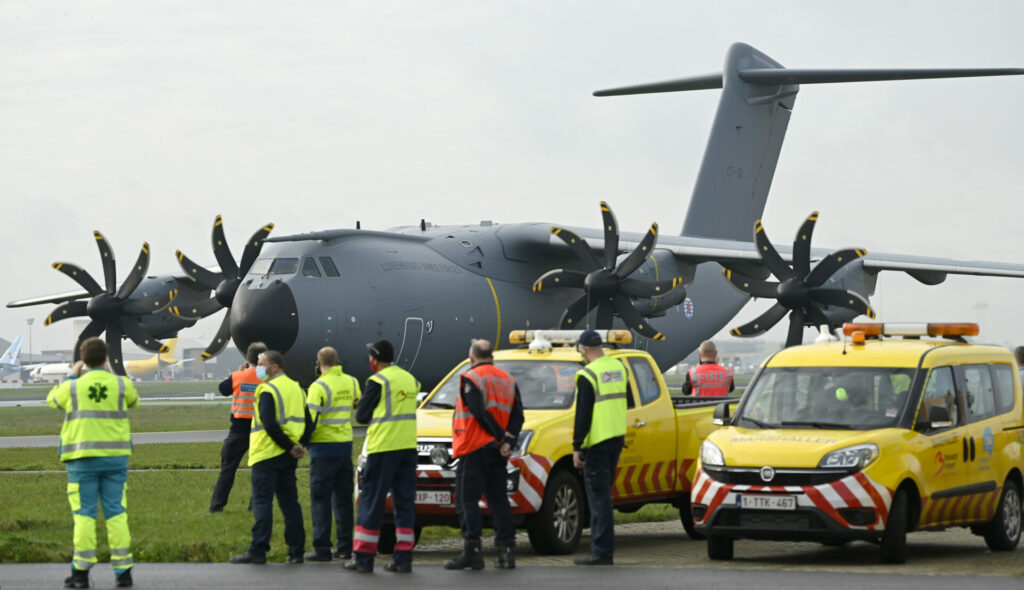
x,y
783,77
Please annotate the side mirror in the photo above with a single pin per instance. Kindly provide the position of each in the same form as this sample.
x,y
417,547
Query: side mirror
x,y
721,415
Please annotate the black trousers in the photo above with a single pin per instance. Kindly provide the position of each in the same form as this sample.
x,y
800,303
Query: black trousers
x,y
231,453
483,472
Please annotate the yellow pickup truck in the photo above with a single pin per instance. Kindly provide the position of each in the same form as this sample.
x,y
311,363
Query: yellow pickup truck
x,y
546,493
867,439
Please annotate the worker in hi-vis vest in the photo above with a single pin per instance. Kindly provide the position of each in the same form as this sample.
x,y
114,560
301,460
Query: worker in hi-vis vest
x,y
95,443
389,406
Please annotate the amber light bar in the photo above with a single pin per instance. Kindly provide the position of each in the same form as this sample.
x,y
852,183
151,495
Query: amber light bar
x,y
875,329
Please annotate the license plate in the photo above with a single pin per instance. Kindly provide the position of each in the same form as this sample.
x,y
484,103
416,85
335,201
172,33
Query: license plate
x,y
434,498
766,502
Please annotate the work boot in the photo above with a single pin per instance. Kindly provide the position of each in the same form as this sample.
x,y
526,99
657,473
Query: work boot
x,y
470,557
77,579
506,555
124,579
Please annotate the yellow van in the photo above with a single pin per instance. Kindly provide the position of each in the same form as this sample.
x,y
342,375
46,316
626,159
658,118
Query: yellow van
x,y
892,431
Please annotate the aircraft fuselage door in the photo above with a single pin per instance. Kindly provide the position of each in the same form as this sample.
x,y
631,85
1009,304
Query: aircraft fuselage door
x,y
411,341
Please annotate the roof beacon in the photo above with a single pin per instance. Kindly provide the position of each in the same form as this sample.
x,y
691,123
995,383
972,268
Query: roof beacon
x,y
944,330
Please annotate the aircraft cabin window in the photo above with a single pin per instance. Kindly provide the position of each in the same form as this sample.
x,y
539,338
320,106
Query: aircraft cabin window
x,y
284,266
329,268
261,266
309,268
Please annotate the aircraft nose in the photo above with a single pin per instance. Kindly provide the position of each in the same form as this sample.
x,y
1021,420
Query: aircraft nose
x,y
265,315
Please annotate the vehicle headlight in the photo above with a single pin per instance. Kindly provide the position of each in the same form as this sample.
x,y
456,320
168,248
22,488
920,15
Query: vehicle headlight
x,y
857,456
440,455
710,454
525,436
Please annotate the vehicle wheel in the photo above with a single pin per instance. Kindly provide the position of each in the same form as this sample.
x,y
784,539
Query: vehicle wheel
x,y
686,517
556,528
720,548
1003,533
894,539
386,542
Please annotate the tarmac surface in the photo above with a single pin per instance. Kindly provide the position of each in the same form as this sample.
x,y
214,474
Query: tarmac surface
x,y
649,555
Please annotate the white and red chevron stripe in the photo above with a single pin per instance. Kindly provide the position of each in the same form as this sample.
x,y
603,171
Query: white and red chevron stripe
x,y
854,491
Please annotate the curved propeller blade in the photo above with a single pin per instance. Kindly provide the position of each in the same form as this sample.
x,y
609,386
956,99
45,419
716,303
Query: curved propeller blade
x,y
114,348
634,320
639,254
611,235
752,287
252,249
71,309
605,315
802,246
770,255
831,263
147,305
221,340
579,246
109,265
795,336
137,274
221,251
133,329
813,316
93,330
559,278
762,323
843,298
202,276
577,311
200,310
635,288
80,276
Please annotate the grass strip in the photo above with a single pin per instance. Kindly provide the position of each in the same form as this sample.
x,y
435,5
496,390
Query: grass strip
x,y
38,421
145,388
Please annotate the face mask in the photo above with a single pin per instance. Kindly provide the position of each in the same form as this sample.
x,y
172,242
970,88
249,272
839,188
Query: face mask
x,y
261,373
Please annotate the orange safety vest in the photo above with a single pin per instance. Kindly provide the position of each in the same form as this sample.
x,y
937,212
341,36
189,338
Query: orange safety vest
x,y
243,397
499,390
710,380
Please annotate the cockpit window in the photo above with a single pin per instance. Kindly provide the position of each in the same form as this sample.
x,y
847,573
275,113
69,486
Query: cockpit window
x,y
309,268
329,268
284,266
261,266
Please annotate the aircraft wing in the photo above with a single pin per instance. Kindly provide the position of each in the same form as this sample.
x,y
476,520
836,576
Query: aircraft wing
x,y
932,271
56,298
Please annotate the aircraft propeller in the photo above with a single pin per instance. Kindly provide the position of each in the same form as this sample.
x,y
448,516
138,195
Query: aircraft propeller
x,y
224,284
605,286
799,288
111,308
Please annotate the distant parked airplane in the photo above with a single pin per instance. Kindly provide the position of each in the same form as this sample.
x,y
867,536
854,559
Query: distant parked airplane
x,y
9,360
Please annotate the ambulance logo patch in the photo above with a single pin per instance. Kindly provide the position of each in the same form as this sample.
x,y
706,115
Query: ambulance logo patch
x,y
97,392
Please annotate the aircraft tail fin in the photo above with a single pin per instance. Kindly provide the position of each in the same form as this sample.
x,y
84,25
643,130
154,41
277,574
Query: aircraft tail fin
x,y
746,137
168,356
10,356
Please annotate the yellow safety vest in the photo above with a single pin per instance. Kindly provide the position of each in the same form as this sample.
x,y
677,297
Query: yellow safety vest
x,y
393,425
289,409
96,417
608,378
331,398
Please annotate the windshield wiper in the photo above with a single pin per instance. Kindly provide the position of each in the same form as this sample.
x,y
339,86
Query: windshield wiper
x,y
820,425
758,422
440,405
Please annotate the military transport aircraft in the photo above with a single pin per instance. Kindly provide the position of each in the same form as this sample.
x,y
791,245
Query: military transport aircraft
x,y
430,289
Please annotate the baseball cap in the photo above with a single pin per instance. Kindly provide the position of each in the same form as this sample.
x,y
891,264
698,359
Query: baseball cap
x,y
589,338
382,351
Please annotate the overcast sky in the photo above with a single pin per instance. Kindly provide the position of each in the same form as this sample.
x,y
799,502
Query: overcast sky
x,y
146,119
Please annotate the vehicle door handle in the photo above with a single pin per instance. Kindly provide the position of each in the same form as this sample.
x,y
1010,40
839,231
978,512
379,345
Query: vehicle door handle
x,y
639,423
972,448
965,450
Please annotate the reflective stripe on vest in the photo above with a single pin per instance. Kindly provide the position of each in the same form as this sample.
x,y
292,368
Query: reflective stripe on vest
x,y
95,433
393,425
498,390
710,379
243,393
289,410
608,378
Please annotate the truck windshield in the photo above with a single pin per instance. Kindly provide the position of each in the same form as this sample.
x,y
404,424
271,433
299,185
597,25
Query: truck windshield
x,y
857,398
543,385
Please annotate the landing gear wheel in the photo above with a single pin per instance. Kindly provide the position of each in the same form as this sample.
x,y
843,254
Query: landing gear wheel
x,y
720,548
1003,533
686,517
894,539
556,528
